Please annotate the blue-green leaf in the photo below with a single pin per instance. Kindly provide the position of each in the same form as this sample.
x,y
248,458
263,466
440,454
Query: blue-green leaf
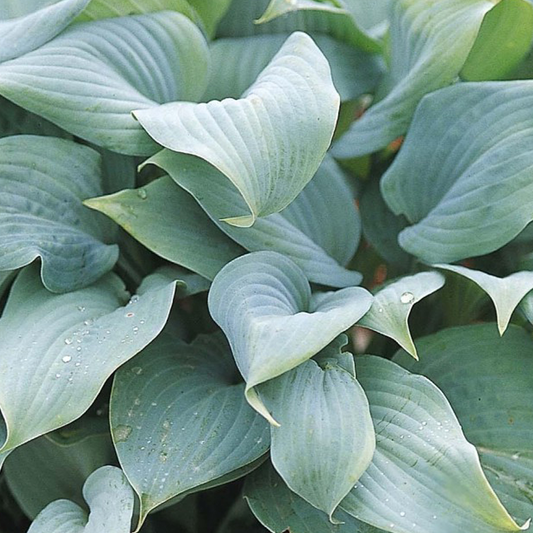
x,y
179,419
263,303
90,78
43,182
162,204
429,43
326,438
305,231
236,62
506,293
61,461
488,380
480,193
392,305
281,510
110,500
26,25
58,350
270,142
425,476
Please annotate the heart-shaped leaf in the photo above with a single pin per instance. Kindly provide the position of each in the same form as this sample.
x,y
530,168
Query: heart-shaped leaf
x,y
429,44
110,499
281,510
179,419
326,438
480,194
304,231
425,476
269,143
237,62
61,461
24,26
162,204
58,350
506,293
41,211
392,305
263,303
114,66
488,380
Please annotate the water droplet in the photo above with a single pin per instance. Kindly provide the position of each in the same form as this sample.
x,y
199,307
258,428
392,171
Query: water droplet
x,y
77,364
137,370
163,456
88,322
66,358
154,404
434,517
142,194
81,308
402,513
58,376
133,300
407,298
135,330
166,424
137,401
129,315
68,341
380,310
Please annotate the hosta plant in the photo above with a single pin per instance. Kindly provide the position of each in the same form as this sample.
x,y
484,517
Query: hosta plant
x,y
266,266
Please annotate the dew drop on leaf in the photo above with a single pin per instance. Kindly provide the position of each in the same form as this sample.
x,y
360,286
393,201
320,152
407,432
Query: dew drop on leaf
x,y
407,298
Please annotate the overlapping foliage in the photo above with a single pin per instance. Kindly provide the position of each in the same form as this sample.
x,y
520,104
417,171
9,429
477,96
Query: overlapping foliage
x,y
228,297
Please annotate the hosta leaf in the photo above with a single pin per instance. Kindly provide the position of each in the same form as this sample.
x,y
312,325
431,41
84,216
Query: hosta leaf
x,y
179,419
287,118
237,62
89,79
61,461
58,350
15,121
102,9
503,41
43,182
506,293
281,510
488,380
162,204
24,26
304,231
392,305
263,303
110,500
480,192
425,476
310,16
429,43
326,438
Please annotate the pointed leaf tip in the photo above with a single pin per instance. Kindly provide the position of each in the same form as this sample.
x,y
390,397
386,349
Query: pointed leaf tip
x,y
263,292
